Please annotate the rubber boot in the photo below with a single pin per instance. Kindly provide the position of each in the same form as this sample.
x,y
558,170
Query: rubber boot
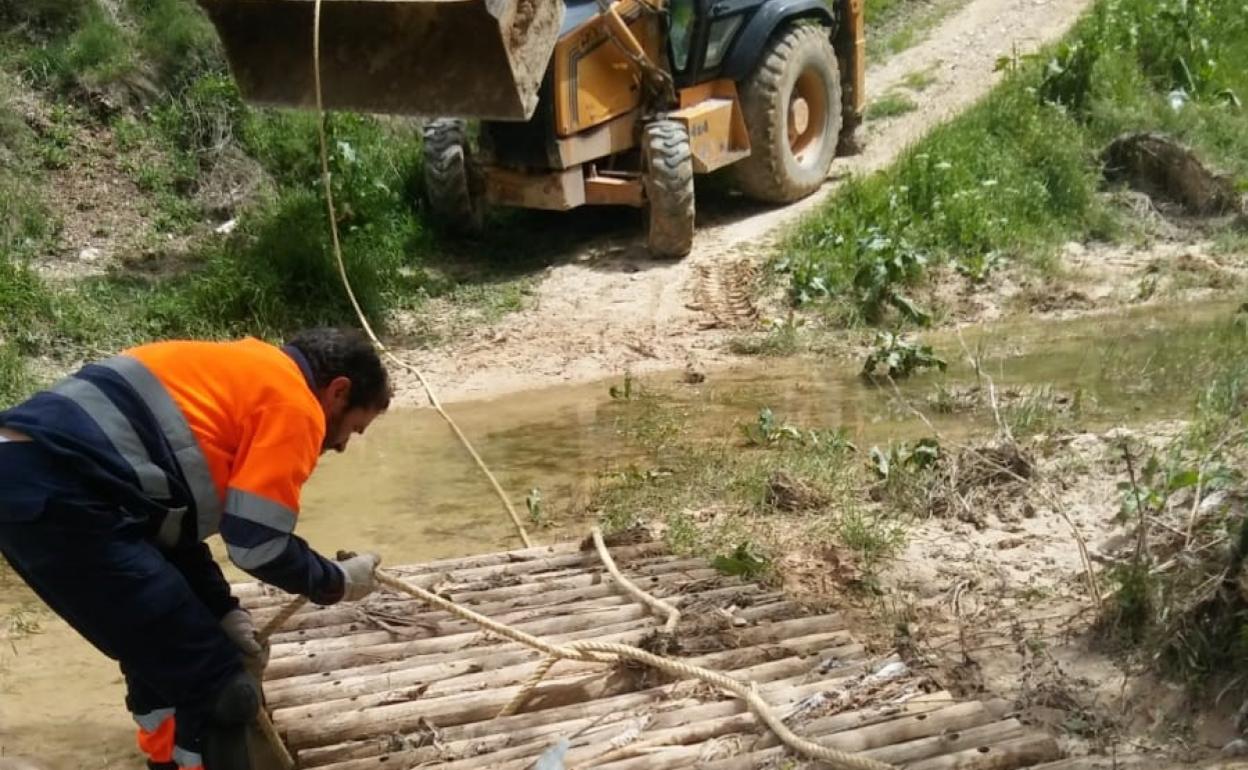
x,y
225,736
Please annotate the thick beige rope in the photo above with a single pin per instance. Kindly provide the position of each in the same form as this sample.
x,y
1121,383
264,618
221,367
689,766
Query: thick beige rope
x,y
609,652
342,272
656,604
586,651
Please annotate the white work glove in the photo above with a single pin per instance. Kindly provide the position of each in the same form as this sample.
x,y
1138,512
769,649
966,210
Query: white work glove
x,y
238,626
358,580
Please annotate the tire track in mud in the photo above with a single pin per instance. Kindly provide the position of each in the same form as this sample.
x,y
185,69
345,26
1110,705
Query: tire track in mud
x,y
609,307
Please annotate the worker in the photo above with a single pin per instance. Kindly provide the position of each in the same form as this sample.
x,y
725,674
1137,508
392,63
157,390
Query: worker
x,y
111,480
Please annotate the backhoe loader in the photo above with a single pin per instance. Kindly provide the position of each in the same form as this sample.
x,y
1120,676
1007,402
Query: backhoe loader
x,y
580,102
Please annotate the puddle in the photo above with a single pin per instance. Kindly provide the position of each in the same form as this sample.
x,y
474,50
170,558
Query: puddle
x,y
410,492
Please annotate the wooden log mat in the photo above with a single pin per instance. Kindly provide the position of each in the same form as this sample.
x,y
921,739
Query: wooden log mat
x,y
390,684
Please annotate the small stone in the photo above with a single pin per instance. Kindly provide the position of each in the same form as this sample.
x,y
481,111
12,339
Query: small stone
x,y
90,254
226,227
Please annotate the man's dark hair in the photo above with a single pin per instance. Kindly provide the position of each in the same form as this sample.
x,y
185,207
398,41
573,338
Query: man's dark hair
x,y
346,353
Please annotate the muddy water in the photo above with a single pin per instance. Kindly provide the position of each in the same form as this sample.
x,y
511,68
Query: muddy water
x,y
408,490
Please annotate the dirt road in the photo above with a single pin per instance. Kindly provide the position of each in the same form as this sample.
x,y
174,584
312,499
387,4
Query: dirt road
x,y
609,308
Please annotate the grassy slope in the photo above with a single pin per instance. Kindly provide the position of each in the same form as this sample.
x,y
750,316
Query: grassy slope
x,y
152,83
1018,173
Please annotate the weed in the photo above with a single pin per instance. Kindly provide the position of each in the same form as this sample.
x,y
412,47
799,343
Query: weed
x,y
681,534
782,338
899,357
533,502
889,464
15,380
1039,409
178,39
622,392
743,562
767,430
895,25
919,80
872,537
58,137
890,105
95,54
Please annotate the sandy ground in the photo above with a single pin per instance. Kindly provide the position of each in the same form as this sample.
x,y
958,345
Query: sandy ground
x,y
607,307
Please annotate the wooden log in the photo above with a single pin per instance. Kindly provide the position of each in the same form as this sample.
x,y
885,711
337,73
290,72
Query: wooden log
x,y
541,723
1007,755
338,619
497,675
556,563
527,735
959,716
470,643
950,742
310,689
491,558
1122,762
473,593
447,625
459,708
363,693
309,663
698,730
442,623
292,690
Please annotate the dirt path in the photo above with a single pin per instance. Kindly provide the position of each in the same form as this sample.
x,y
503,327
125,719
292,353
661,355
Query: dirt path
x,y
610,308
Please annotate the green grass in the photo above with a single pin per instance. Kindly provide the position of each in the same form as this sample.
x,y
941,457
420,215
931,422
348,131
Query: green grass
x,y
890,105
155,76
1018,173
710,494
920,80
895,25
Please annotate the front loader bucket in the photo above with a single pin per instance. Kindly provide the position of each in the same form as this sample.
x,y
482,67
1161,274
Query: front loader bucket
x,y
456,58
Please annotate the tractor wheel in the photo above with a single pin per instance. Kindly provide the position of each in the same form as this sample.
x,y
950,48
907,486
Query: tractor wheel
x,y
453,183
668,168
792,107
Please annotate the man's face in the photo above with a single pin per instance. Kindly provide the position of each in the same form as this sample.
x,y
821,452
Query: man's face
x,y
340,427
341,421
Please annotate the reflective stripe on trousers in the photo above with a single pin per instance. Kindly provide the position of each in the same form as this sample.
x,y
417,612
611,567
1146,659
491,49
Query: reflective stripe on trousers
x,y
156,740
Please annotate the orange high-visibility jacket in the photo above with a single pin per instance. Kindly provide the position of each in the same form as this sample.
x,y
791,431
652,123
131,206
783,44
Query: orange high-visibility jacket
x,y
198,438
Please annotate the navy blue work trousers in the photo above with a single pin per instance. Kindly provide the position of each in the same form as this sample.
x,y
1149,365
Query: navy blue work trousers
x,y
95,567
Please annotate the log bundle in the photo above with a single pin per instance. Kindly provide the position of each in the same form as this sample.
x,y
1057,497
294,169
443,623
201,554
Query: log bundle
x,y
390,684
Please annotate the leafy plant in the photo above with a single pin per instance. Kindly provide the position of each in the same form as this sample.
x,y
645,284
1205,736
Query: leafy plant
x,y
886,463
742,562
888,263
533,501
1155,483
899,357
767,430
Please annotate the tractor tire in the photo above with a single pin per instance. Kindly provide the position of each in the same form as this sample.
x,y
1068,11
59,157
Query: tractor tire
x,y
668,178
454,186
792,108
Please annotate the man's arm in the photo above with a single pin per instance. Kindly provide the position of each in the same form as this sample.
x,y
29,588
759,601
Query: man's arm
x,y
276,456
